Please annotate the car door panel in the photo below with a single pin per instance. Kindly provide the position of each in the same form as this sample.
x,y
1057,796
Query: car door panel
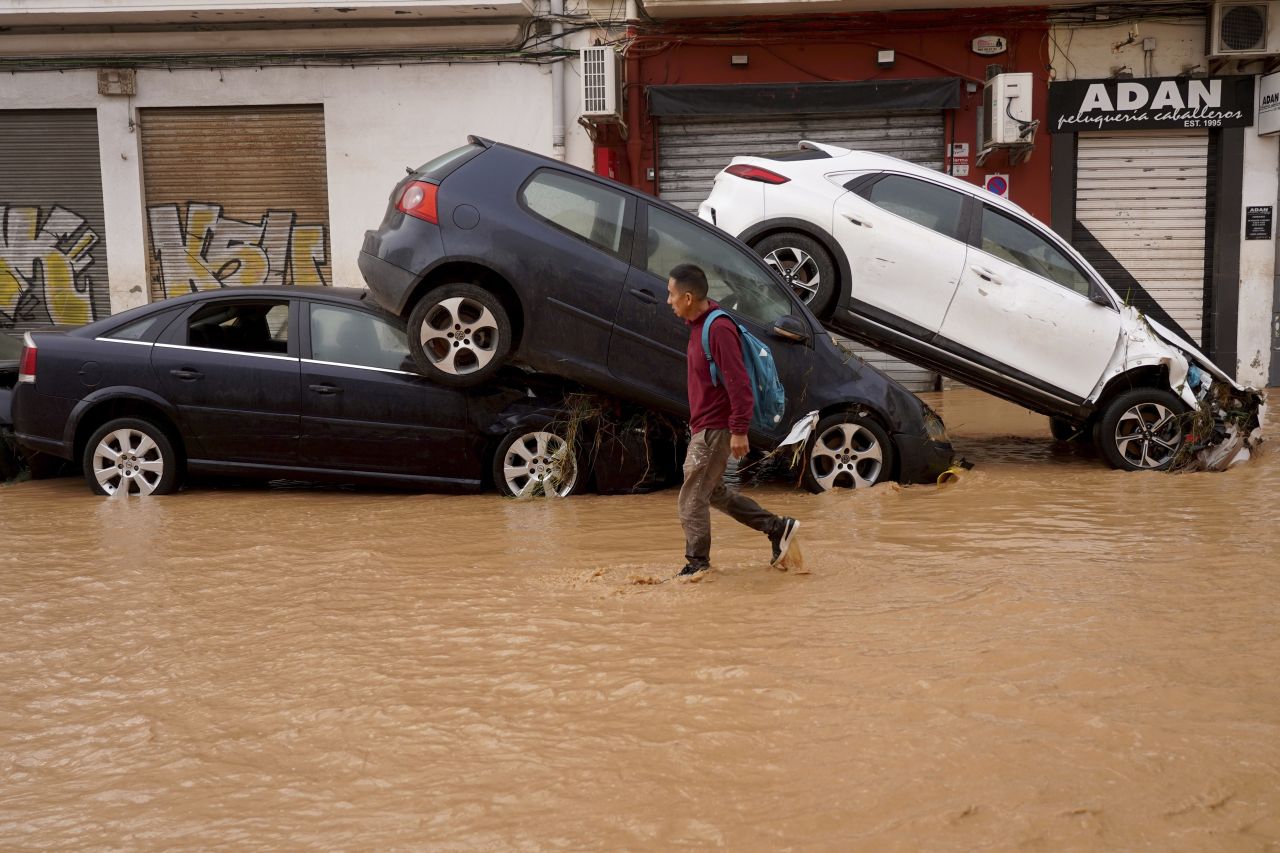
x,y
235,406
358,418
568,284
898,267
1029,324
371,416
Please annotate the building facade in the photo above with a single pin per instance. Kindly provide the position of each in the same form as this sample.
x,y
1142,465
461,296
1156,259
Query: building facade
x,y
149,149
1159,207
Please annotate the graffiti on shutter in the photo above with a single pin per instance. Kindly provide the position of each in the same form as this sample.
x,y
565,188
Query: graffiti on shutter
x,y
197,247
46,266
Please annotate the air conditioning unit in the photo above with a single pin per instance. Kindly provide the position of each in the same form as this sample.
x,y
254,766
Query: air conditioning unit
x,y
601,84
1244,29
1006,111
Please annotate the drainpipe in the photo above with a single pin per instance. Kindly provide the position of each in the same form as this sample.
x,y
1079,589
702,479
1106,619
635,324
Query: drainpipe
x,y
557,83
633,121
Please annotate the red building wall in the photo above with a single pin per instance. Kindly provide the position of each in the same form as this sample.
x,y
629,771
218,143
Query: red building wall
x,y
844,48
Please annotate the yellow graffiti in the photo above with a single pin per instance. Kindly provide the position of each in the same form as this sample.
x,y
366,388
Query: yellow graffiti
x,y
44,265
206,249
307,255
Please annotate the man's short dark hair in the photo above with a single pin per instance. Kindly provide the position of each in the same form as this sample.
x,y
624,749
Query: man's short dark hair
x,y
690,278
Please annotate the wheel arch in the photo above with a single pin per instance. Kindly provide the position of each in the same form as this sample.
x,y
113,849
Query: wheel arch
x,y
781,225
473,271
102,410
1154,375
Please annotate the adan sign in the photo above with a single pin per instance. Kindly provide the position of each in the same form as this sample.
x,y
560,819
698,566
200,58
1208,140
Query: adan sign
x,y
1153,103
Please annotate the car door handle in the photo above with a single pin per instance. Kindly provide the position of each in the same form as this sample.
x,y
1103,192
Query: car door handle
x,y
187,375
644,295
325,389
985,274
862,223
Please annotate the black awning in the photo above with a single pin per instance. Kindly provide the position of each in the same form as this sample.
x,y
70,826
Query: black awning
x,y
739,99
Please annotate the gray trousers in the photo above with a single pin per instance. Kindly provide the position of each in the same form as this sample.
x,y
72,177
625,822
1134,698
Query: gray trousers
x,y
704,488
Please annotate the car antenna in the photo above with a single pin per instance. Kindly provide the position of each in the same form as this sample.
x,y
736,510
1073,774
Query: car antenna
x,y
408,170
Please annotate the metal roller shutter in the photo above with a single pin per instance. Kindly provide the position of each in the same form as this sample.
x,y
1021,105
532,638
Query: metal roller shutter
x,y
1143,197
235,196
691,151
53,238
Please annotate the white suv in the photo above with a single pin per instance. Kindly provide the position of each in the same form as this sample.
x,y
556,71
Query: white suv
x,y
948,276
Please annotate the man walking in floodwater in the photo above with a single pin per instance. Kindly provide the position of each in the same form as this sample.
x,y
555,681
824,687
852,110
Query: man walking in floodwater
x,y
718,419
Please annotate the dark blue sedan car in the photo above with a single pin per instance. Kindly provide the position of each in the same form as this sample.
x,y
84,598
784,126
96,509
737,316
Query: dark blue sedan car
x,y
284,382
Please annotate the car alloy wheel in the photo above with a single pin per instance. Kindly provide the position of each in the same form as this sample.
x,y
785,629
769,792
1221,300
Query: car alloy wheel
x,y
536,462
130,456
804,265
847,451
1148,435
459,334
1142,430
798,269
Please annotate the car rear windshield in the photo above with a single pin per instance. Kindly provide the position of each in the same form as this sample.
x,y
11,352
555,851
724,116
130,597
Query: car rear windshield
x,y
790,156
441,167
10,347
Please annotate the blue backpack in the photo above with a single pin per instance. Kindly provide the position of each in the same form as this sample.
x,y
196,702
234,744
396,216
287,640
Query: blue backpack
x,y
766,388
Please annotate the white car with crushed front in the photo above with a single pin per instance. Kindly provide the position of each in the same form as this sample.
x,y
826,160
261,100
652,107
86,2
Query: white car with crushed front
x,y
946,275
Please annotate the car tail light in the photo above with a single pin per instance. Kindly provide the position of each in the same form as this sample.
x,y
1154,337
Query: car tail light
x,y
419,200
755,173
27,364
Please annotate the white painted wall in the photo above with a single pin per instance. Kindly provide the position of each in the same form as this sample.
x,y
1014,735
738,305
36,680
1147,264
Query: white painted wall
x,y
1257,260
378,120
1079,53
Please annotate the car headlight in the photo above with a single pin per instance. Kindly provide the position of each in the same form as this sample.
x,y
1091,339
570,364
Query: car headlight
x,y
934,427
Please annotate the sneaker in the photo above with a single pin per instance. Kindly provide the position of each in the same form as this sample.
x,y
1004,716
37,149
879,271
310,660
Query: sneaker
x,y
781,538
692,569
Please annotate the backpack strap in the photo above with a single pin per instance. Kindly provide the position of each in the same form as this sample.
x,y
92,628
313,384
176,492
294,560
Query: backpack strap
x,y
706,343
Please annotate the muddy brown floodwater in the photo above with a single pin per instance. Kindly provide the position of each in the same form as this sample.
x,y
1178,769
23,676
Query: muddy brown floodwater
x,y
1047,654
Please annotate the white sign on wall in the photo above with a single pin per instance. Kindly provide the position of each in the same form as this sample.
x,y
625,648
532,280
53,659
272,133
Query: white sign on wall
x,y
1269,104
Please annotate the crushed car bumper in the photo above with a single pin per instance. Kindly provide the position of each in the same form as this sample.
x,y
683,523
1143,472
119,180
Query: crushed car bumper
x,y
921,459
390,284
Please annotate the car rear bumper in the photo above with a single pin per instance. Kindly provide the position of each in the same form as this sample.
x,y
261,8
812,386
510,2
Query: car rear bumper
x,y
921,459
40,420
390,285
394,257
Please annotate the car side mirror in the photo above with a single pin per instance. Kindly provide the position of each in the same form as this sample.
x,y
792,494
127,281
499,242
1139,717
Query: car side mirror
x,y
791,328
1097,297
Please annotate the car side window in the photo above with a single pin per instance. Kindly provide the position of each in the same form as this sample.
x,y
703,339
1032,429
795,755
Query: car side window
x,y
734,279
342,336
921,202
256,327
135,331
585,209
1011,241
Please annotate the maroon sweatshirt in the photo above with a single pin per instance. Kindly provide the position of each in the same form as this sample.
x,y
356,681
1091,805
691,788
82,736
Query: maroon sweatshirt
x,y
728,405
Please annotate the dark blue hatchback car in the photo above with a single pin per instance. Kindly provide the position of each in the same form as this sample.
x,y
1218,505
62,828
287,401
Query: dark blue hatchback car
x,y
494,254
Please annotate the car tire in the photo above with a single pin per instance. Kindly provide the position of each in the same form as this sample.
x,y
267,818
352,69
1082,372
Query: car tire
x,y
847,450
459,335
1068,430
1141,430
131,456
803,263
531,460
